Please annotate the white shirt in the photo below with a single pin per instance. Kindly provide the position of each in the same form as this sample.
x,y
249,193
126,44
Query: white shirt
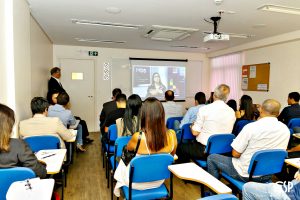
x,y
266,133
172,109
214,118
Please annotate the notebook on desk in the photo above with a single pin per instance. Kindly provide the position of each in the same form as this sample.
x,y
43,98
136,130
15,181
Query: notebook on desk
x,y
75,125
31,189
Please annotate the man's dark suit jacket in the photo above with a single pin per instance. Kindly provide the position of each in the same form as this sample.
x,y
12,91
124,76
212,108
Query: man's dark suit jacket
x,y
54,85
108,107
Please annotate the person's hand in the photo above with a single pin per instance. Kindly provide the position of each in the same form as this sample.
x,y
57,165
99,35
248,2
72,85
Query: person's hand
x,y
297,176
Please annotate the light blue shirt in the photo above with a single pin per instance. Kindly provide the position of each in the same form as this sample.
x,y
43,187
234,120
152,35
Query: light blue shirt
x,y
63,114
191,115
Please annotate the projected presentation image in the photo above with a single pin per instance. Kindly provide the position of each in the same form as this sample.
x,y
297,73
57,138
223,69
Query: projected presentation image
x,y
153,81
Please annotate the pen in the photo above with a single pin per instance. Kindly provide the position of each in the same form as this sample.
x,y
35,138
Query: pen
x,y
48,156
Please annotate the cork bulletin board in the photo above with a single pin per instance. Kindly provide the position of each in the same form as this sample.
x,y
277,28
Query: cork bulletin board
x,y
256,77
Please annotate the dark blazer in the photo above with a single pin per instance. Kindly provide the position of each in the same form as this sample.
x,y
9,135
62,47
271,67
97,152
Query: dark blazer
x,y
20,155
108,107
54,85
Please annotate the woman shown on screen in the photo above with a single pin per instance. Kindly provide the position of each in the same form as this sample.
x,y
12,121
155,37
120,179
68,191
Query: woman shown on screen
x,y
156,88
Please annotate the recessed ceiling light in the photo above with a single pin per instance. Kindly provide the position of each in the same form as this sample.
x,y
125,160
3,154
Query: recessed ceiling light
x,y
101,41
108,24
259,25
280,9
113,10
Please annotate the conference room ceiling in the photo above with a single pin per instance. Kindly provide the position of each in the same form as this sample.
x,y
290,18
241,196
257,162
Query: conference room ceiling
x,y
124,23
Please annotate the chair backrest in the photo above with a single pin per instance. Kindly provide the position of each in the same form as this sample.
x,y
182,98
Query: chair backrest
x,y
295,122
42,142
266,162
112,133
171,120
120,143
219,143
10,175
240,125
149,168
186,133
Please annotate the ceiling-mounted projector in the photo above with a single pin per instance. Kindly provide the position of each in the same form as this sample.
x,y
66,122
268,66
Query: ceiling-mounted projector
x,y
216,37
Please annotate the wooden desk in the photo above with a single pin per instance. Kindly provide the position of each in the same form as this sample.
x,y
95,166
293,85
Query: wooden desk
x,y
54,161
41,189
192,172
295,162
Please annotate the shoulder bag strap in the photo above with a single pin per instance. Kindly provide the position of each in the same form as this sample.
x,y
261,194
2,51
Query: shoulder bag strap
x,y
138,143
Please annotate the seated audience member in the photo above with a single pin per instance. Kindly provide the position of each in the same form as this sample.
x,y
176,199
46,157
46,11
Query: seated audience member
x,y
247,109
155,139
61,111
85,132
272,191
291,111
232,104
215,118
266,133
114,115
109,107
40,124
130,123
15,152
171,108
211,98
52,97
191,115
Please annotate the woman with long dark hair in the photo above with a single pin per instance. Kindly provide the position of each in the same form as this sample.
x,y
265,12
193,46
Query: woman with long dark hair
x,y
157,88
130,123
155,138
15,152
247,109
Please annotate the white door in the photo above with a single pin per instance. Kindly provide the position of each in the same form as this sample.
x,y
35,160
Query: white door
x,y
77,78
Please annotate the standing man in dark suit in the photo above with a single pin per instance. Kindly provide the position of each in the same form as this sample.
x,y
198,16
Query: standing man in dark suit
x,y
54,82
109,107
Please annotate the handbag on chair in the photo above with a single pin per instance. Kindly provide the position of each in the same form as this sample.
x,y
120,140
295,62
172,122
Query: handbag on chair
x,y
127,155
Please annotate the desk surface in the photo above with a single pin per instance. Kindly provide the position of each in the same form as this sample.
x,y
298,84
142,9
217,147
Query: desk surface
x,y
53,158
74,132
296,135
295,162
192,172
41,189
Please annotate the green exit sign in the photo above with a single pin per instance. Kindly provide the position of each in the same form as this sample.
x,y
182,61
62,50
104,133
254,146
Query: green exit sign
x,y
93,53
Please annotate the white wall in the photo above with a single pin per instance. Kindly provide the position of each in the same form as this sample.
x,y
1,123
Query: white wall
x,y
284,70
106,55
21,21
2,54
41,59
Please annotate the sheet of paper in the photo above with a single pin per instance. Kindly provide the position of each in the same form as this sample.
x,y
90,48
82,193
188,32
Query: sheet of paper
x,y
252,71
244,83
262,87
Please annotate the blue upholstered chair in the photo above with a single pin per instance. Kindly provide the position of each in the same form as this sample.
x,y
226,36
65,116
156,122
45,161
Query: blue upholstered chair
x,y
10,175
240,125
119,144
109,148
264,162
186,133
171,120
42,142
149,168
217,144
220,197
293,123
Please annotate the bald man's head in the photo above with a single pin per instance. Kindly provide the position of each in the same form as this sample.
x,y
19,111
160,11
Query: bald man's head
x,y
169,95
270,107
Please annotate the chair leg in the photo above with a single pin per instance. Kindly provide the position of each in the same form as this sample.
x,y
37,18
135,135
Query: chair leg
x,y
112,185
62,185
202,190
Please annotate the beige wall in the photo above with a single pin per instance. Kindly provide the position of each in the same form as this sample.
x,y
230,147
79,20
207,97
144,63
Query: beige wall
x,y
41,59
103,88
284,70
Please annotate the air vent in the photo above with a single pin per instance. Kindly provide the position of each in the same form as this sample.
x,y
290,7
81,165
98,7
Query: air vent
x,y
184,46
108,24
168,33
